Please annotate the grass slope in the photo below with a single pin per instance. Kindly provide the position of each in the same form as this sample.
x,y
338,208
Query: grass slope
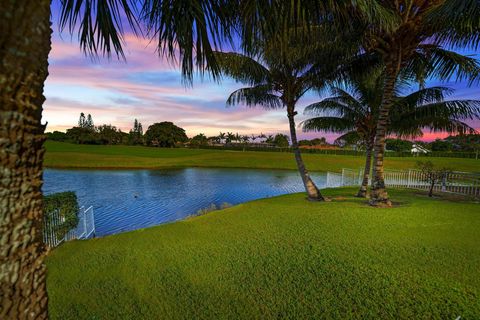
x,y
65,155
281,257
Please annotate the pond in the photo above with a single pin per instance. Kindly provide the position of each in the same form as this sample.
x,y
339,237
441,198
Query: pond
x,y
126,200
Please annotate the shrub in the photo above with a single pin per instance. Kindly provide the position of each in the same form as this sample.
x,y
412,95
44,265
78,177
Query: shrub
x,y
67,206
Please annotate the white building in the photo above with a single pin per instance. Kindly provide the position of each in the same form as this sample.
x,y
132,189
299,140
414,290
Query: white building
x,y
418,149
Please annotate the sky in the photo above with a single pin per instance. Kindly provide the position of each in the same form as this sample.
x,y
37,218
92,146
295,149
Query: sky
x,y
150,89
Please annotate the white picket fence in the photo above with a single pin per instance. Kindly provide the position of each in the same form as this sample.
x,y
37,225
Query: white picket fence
x,y
456,182
84,230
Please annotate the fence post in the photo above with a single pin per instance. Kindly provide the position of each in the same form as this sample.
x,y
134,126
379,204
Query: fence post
x,y
409,177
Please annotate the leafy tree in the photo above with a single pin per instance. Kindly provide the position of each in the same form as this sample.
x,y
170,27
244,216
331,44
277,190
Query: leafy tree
x,y
304,143
318,141
82,135
56,136
441,145
354,112
398,145
165,134
280,140
108,134
199,140
413,45
432,175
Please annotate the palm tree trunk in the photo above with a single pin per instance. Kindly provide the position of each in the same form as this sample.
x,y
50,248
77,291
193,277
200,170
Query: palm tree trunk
x,y
24,48
312,190
362,193
379,195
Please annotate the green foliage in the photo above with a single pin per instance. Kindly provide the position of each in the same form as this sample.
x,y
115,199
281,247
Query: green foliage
x,y
108,134
135,136
398,145
56,136
280,140
67,206
282,257
165,134
199,140
466,142
82,135
440,145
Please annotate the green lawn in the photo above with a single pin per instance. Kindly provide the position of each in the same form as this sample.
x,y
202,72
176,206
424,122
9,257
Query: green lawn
x,y
280,257
65,155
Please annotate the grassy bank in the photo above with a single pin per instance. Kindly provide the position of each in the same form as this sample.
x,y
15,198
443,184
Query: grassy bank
x,y
64,155
281,258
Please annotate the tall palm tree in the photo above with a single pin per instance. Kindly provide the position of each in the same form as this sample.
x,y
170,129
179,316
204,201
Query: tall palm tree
x,y
414,45
354,113
279,74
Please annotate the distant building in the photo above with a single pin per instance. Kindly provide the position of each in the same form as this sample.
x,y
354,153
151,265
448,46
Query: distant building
x,y
418,149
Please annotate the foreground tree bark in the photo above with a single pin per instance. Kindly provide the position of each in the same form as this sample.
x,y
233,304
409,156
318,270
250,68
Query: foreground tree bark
x,y
312,190
24,48
379,195
362,193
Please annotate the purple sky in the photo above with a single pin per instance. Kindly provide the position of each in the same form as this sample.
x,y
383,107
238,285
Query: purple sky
x,y
150,89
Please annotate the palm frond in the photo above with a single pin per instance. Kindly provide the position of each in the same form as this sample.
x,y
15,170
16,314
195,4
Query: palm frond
x,y
260,95
328,124
444,64
242,68
99,22
192,30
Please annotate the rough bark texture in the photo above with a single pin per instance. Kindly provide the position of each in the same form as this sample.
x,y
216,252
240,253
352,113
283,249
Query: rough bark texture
x,y
362,193
379,195
312,190
24,48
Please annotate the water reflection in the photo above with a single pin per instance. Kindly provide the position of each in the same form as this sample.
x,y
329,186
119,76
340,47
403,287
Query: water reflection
x,y
131,199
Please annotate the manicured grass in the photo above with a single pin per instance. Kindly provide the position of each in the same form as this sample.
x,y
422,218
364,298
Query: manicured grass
x,y
65,155
281,257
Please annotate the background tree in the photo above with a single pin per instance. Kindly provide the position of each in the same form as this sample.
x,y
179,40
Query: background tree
x,y
413,45
354,112
277,78
432,175
82,121
398,145
280,140
108,134
199,140
165,134
135,136
56,136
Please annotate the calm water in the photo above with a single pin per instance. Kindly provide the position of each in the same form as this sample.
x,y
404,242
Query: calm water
x,y
131,199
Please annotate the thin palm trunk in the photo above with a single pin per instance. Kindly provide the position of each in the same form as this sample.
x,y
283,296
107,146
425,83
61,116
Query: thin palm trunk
x,y
24,49
310,187
379,195
362,193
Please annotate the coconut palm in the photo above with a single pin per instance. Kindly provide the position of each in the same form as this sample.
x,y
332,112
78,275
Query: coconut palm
x,y
414,45
354,113
277,79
